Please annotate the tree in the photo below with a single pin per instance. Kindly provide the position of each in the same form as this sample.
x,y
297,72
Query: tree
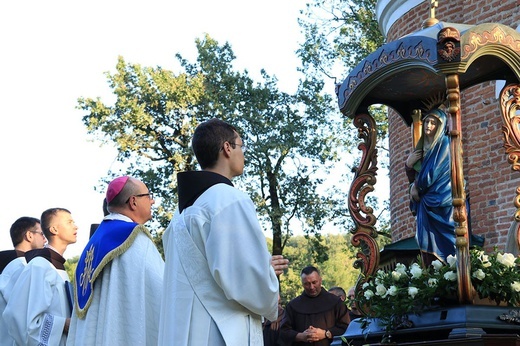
x,y
149,125
294,142
70,267
293,139
338,35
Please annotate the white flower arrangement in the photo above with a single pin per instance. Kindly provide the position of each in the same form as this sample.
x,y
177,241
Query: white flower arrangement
x,y
391,296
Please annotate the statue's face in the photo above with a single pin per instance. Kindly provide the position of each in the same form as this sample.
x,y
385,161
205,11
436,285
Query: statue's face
x,y
430,124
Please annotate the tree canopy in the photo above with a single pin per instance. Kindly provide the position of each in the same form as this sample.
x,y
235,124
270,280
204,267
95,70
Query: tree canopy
x,y
293,140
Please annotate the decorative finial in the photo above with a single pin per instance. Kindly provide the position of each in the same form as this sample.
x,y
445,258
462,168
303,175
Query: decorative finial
x,y
432,20
433,5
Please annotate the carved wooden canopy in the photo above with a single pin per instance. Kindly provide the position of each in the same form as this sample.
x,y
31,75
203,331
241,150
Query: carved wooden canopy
x,y
404,74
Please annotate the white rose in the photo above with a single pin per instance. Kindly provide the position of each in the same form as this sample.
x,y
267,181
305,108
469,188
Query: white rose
x,y
479,274
368,294
437,265
400,268
396,275
506,259
412,291
416,271
486,264
432,282
450,276
452,261
516,286
392,290
380,290
365,285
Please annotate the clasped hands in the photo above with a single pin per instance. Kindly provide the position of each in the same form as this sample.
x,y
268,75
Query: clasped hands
x,y
311,334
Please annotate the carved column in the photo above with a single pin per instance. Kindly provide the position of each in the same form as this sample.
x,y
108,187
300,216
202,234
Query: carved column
x,y
465,289
365,233
448,51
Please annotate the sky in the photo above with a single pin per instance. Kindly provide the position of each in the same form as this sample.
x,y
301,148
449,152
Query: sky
x,y
53,52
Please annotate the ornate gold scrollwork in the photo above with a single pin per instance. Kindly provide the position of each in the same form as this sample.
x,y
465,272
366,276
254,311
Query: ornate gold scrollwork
x,y
509,107
363,183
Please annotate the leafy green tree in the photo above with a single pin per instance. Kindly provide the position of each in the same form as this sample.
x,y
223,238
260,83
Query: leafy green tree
x,y
338,35
292,139
148,125
70,266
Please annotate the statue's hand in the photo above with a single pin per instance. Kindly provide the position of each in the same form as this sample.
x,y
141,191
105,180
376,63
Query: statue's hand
x,y
414,157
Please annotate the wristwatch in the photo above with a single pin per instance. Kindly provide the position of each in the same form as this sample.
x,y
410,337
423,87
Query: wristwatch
x,y
328,334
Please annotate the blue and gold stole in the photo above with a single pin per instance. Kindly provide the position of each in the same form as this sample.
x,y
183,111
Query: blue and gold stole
x,y
111,239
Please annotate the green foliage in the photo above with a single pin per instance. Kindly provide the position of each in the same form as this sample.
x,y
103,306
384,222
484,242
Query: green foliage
x,y
70,267
339,34
148,125
293,140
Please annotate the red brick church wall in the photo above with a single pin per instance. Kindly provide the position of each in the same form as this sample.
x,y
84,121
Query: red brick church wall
x,y
492,183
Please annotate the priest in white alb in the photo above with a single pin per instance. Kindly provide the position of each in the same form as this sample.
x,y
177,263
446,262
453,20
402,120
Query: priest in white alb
x,y
26,234
220,280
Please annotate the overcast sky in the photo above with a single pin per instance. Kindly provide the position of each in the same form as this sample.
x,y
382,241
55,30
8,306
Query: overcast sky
x,y
53,52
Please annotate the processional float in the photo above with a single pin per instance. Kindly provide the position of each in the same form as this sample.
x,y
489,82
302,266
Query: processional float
x,y
442,58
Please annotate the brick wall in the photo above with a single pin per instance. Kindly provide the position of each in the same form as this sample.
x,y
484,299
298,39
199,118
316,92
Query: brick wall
x,y
492,183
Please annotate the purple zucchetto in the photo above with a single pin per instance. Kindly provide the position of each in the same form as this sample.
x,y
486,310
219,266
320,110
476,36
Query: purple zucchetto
x,y
115,187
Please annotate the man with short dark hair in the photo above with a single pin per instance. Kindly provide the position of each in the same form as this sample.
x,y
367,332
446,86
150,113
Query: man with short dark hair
x,y
26,234
314,316
219,279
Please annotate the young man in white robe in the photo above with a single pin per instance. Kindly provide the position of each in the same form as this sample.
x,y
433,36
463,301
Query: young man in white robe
x,y
220,280
26,234
118,281
38,311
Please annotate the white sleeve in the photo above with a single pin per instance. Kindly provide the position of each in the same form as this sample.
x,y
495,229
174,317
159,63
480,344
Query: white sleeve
x,y
239,260
28,313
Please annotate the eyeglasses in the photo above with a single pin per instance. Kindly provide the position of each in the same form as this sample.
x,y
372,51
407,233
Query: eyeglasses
x,y
242,146
149,194
40,232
